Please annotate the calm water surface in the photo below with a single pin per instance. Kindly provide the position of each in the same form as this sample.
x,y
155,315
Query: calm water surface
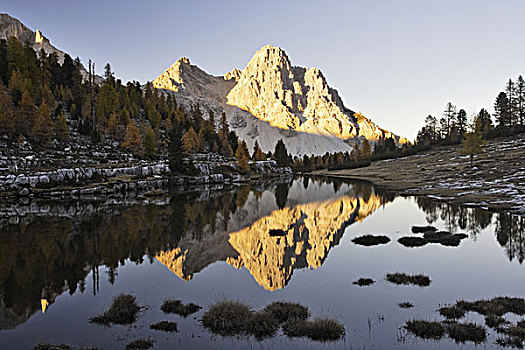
x,y
61,263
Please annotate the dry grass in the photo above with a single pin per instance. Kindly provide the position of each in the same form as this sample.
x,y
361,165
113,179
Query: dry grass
x,y
165,326
140,344
412,241
405,305
284,311
174,306
363,282
262,325
463,332
452,312
324,329
423,229
227,317
403,278
123,310
371,240
496,306
425,329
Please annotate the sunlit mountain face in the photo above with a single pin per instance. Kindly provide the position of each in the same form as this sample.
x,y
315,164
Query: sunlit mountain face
x,y
277,231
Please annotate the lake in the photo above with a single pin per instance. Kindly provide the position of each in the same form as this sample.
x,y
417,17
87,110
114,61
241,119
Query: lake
x,y
61,263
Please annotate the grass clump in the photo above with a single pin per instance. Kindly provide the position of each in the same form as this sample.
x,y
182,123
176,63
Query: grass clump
x,y
364,282
47,346
463,332
324,329
227,317
494,321
403,278
444,238
165,326
412,241
174,306
123,310
294,328
452,312
405,305
423,229
139,344
284,311
371,240
262,325
496,306
425,329
511,342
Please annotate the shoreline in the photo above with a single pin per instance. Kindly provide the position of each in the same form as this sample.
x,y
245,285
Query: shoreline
x,y
495,182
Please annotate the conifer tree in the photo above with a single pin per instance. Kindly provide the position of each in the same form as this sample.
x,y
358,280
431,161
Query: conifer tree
x,y
366,149
502,110
24,114
7,114
42,130
450,116
149,142
281,154
258,154
462,121
176,149
520,99
132,139
61,129
192,142
473,142
242,154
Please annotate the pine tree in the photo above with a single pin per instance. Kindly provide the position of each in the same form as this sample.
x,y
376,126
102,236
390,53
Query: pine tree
x,y
510,91
223,124
473,142
366,149
520,99
176,149
42,130
24,114
132,140
502,110
258,154
450,116
61,129
462,121
7,114
242,156
281,154
149,142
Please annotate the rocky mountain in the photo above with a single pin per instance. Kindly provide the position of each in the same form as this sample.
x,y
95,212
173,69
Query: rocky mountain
x,y
10,26
270,99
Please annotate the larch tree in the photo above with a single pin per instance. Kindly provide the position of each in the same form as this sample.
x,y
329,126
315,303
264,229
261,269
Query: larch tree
x,y
42,130
243,155
61,128
7,114
258,154
450,114
132,139
473,142
149,142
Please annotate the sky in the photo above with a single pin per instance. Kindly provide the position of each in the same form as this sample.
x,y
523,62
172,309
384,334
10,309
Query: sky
x,y
394,61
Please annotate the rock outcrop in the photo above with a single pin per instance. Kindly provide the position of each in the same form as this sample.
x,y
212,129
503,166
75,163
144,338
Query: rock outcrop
x,y
271,99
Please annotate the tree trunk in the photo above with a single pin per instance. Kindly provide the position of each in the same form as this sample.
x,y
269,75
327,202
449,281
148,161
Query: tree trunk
x,y
471,160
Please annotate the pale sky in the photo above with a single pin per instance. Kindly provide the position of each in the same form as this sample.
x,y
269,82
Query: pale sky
x,y
394,61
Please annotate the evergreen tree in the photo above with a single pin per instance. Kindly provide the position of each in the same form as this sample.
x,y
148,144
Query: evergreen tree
x,y
176,149
281,154
149,142
462,121
473,142
510,91
366,149
192,142
520,100
7,114
24,114
42,131
450,116
258,154
242,154
61,129
132,139
502,110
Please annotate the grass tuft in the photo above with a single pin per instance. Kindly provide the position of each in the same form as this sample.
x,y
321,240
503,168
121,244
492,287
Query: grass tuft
x,y
123,310
294,328
370,240
423,229
452,312
403,278
262,325
495,306
165,326
284,311
463,332
363,282
48,346
140,344
494,321
174,306
412,241
227,317
324,329
425,329
405,305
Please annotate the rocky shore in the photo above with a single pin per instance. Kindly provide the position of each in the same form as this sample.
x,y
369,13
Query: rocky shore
x,y
496,181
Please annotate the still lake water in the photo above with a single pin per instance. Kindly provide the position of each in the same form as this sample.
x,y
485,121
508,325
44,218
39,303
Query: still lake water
x,y
61,263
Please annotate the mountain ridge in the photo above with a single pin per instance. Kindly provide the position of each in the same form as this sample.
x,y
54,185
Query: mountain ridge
x,y
272,99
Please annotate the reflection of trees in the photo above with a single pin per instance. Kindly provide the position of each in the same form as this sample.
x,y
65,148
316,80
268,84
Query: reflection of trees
x,y
455,217
510,233
281,194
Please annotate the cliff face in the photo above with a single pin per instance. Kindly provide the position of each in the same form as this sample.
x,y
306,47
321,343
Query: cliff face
x,y
271,99
313,222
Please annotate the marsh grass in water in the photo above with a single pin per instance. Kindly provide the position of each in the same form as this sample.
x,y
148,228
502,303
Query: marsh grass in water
x,y
463,332
174,306
423,229
412,241
364,282
123,310
285,310
227,317
494,321
452,312
405,305
49,346
371,240
140,344
425,329
403,278
262,325
444,238
324,329
496,306
165,326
